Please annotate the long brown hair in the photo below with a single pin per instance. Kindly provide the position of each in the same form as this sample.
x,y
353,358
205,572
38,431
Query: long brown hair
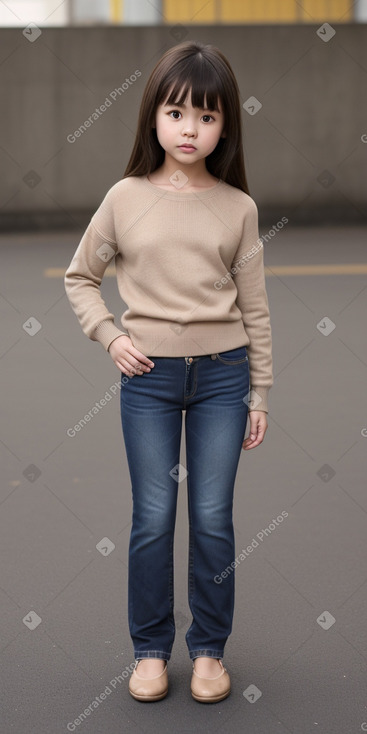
x,y
205,71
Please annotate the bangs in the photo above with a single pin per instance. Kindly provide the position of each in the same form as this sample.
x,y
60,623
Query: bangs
x,y
193,73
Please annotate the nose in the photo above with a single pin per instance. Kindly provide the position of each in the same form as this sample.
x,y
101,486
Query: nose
x,y
189,130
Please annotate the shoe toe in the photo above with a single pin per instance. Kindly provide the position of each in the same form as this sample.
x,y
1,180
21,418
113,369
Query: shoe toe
x,y
148,689
209,690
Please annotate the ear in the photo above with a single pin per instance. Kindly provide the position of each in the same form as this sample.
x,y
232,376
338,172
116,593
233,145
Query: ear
x,y
224,134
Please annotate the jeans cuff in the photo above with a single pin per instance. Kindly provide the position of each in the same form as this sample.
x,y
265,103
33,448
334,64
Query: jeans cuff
x,y
206,653
160,654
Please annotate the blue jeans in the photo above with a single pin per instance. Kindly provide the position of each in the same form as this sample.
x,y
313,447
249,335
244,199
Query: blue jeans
x,y
212,389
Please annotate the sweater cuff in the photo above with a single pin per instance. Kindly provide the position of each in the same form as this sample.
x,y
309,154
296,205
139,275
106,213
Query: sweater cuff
x,y
106,332
262,392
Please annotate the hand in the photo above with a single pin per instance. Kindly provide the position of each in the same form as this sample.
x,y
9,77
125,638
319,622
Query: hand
x,y
128,359
258,427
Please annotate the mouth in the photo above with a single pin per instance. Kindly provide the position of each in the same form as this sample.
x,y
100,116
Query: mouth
x,y
187,147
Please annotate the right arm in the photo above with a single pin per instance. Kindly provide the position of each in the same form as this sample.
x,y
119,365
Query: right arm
x,y
82,283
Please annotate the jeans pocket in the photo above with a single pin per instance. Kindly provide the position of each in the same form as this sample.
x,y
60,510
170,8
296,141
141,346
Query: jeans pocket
x,y
233,356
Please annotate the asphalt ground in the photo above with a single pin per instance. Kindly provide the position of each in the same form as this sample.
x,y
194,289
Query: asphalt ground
x,y
297,655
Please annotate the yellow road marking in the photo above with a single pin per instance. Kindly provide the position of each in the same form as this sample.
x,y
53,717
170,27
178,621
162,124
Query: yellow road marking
x,y
331,269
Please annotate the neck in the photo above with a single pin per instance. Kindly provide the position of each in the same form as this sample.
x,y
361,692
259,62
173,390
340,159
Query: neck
x,y
197,173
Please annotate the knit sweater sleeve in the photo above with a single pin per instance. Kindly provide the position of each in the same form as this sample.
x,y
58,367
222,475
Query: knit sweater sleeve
x,y
249,278
83,277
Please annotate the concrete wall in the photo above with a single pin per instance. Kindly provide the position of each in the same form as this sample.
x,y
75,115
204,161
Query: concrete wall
x,y
313,117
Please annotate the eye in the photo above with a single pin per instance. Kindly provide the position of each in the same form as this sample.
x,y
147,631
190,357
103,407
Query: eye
x,y
210,116
174,112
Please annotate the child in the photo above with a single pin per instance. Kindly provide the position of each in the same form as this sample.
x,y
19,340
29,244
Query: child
x,y
183,230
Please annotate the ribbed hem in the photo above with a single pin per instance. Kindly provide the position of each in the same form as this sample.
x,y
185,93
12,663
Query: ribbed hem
x,y
262,393
158,338
106,332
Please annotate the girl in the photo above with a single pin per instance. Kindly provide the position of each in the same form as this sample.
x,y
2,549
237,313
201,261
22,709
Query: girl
x,y
196,336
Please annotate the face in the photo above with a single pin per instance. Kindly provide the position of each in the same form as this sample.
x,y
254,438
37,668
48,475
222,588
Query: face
x,y
186,133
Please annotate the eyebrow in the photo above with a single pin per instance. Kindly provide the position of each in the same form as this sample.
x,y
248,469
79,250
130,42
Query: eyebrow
x,y
175,104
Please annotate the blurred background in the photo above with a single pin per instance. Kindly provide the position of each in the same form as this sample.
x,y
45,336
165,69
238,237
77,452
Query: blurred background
x,y
302,63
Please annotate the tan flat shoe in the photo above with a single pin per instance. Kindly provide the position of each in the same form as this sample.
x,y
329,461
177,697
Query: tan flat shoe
x,y
210,690
148,689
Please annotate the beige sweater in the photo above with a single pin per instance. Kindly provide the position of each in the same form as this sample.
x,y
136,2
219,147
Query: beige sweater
x,y
190,268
